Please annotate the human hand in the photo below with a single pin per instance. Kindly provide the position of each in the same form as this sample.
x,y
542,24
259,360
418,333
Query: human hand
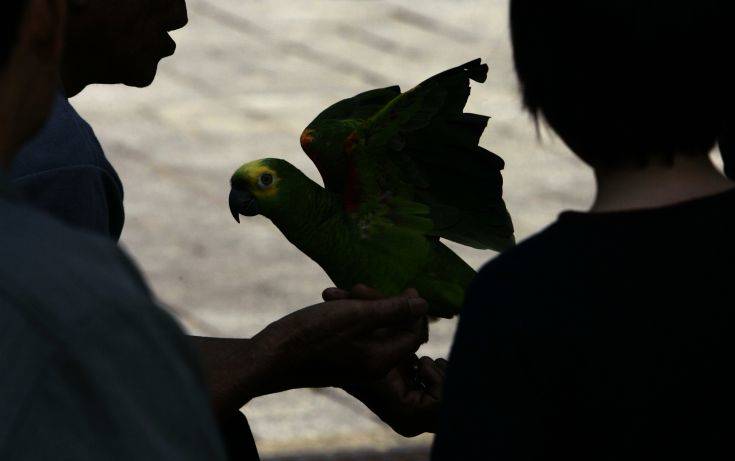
x,y
361,291
338,342
408,398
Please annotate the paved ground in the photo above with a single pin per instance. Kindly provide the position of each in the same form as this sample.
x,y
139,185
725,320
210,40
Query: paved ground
x,y
249,75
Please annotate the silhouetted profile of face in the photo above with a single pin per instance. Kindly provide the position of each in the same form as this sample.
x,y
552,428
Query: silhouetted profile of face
x,y
119,41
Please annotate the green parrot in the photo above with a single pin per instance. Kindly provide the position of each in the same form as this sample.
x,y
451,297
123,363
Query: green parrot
x,y
401,171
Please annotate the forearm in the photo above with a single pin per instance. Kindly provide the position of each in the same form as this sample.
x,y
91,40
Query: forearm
x,y
323,345
235,372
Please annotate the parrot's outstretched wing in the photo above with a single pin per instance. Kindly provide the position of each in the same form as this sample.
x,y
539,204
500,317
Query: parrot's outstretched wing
x,y
389,222
422,146
333,125
360,107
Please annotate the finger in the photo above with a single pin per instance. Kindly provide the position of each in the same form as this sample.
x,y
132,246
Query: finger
x,y
442,364
361,291
334,294
391,352
393,312
410,364
430,371
394,315
407,370
423,329
397,381
418,326
411,293
432,377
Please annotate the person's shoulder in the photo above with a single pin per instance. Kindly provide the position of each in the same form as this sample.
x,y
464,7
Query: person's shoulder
x,y
66,141
74,310
535,254
503,287
46,300
25,228
61,276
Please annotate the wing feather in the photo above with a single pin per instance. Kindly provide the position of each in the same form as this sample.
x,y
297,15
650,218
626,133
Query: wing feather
x,y
420,148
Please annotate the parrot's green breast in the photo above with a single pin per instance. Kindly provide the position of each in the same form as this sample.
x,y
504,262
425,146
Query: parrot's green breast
x,y
389,260
383,246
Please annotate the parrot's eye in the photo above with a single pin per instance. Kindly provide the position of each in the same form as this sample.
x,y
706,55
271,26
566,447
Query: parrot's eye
x,y
265,180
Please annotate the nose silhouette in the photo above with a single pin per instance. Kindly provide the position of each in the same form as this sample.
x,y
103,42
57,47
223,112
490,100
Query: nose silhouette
x,y
178,15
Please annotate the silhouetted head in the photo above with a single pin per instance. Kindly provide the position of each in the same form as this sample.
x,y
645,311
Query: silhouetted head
x,y
269,187
119,41
31,38
625,81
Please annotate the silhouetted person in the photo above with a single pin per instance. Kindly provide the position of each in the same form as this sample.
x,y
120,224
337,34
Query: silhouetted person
x,y
92,368
64,171
88,361
608,335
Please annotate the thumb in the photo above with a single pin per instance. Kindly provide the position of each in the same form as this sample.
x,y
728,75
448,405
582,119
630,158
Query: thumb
x,y
392,312
334,294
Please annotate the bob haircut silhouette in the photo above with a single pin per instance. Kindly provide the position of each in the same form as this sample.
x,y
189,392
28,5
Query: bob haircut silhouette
x,y
10,16
627,81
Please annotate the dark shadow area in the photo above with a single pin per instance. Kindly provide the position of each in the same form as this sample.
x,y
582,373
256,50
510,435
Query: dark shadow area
x,y
404,454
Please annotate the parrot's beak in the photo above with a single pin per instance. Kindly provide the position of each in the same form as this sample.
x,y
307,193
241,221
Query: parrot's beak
x,y
243,203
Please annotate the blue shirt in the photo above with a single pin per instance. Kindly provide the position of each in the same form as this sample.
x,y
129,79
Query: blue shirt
x,y
64,171
92,368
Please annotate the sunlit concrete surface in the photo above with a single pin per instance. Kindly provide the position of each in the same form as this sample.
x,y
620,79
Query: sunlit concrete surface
x,y
247,78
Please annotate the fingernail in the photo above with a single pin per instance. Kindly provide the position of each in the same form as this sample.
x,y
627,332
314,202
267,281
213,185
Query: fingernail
x,y
418,306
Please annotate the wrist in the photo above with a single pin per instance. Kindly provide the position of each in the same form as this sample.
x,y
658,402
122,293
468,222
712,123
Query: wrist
x,y
244,366
231,370
269,369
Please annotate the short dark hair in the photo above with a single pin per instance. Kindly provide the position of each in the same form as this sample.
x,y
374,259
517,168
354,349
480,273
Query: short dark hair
x,y
624,80
10,17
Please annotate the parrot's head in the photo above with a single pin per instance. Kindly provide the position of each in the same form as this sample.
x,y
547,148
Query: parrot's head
x,y
264,187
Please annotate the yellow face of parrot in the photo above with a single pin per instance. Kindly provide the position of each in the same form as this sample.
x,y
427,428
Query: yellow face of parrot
x,y
261,179
264,187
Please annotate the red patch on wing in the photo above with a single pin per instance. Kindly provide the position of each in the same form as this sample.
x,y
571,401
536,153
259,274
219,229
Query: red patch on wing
x,y
351,198
351,195
351,142
307,137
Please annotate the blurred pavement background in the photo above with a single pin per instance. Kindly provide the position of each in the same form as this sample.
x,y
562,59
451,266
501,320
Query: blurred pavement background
x,y
247,78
